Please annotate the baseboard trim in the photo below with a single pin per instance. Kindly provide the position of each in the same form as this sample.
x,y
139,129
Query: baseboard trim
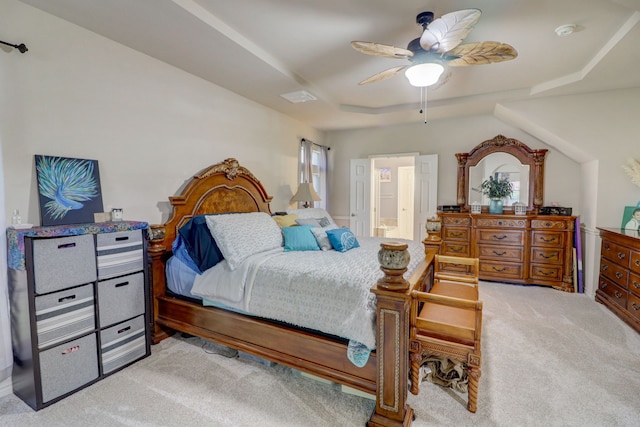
x,y
5,387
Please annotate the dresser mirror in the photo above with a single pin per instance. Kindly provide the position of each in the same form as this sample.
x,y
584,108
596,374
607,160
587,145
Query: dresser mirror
x,y
502,157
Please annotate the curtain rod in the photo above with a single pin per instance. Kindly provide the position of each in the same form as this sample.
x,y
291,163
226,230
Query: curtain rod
x,y
319,145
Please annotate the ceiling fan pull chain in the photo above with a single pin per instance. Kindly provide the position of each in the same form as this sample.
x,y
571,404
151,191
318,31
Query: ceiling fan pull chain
x,y
424,100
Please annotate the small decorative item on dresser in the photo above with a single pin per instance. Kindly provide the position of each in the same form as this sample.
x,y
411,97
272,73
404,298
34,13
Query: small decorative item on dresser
x,y
476,208
555,210
519,208
116,214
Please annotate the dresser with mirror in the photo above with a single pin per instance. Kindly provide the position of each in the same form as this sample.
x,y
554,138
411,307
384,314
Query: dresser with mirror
x,y
520,245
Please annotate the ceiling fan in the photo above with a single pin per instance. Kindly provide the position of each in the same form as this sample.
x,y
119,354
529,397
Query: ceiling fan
x,y
438,46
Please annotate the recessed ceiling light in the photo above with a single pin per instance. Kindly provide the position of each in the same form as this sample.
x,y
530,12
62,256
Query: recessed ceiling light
x,y
298,96
565,30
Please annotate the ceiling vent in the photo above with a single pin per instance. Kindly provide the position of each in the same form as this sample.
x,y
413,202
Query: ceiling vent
x,y
298,96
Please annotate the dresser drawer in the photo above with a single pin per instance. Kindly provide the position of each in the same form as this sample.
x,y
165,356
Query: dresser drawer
x,y
119,253
546,255
120,299
553,239
453,233
613,291
614,272
455,248
546,272
503,237
501,270
123,343
634,283
63,315
634,265
63,262
616,253
456,220
68,367
504,253
633,305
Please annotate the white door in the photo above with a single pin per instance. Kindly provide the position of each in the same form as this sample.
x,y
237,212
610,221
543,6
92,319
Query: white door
x,y
426,192
405,202
360,197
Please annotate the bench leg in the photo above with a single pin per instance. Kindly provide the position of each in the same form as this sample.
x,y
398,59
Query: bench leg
x,y
474,374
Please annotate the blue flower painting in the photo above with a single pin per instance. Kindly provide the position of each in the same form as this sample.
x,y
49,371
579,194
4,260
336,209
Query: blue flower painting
x,y
68,190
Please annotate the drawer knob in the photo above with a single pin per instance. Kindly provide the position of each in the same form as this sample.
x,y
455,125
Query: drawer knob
x,y
124,329
455,248
546,256
618,294
621,255
637,262
603,285
121,238
545,273
544,239
456,234
119,285
67,245
499,237
635,284
499,253
619,275
604,267
635,306
499,270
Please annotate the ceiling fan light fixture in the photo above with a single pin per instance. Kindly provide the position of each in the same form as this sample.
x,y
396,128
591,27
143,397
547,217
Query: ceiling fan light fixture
x,y
426,74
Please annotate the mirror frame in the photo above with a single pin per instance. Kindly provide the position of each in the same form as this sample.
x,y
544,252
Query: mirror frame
x,y
501,144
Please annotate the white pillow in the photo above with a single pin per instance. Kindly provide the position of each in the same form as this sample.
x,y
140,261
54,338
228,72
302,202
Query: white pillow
x,y
315,213
321,237
243,234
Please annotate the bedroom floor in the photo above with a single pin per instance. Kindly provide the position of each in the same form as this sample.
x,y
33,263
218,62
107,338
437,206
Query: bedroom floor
x,y
549,358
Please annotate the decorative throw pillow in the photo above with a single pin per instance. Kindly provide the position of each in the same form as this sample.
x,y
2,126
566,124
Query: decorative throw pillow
x,y
180,251
322,238
342,239
308,221
285,220
324,221
299,238
241,235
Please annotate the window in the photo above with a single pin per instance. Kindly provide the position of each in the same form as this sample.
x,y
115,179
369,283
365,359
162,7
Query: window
x,y
313,169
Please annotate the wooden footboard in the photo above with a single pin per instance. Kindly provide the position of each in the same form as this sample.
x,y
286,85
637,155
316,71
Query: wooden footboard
x,y
227,187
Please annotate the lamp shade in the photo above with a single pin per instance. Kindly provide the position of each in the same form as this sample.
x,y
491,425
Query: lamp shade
x,y
421,75
306,193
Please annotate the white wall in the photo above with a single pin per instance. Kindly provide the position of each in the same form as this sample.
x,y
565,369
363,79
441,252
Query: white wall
x,y
149,125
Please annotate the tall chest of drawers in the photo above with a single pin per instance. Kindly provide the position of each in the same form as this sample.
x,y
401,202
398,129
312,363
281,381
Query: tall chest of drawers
x,y
79,306
619,280
527,249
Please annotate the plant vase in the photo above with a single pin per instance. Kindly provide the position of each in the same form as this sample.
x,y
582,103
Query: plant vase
x,y
495,206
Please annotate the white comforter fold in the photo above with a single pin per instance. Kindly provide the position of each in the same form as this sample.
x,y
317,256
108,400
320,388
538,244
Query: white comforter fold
x,y
326,291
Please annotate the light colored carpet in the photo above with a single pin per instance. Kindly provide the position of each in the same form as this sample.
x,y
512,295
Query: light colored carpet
x,y
550,359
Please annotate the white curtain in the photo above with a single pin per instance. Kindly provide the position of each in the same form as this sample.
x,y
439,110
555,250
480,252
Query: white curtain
x,y
6,359
313,169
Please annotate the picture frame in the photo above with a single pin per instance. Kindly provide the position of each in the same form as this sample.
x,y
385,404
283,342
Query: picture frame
x,y
631,220
69,190
385,174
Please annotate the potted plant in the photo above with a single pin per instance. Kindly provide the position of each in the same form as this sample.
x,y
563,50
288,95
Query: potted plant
x,y
496,190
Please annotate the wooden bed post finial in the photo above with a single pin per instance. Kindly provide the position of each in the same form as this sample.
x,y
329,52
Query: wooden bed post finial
x,y
394,259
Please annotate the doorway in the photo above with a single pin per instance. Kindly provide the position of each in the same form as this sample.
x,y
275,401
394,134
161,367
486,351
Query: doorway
x,y
393,195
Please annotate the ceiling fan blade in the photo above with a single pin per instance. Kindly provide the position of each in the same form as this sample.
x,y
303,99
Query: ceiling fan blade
x,y
481,53
441,81
448,31
383,75
385,50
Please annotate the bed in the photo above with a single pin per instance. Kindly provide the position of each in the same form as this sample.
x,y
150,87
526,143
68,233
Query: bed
x,y
226,188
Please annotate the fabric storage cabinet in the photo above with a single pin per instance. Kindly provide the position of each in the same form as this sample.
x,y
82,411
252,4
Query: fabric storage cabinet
x,y
79,306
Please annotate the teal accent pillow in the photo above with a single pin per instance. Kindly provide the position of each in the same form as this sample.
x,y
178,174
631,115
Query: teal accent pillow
x,y
342,239
299,238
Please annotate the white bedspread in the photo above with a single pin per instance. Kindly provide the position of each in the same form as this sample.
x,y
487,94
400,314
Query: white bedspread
x,y
326,291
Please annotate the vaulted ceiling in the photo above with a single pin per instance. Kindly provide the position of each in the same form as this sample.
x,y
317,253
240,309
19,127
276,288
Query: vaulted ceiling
x,y
261,49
